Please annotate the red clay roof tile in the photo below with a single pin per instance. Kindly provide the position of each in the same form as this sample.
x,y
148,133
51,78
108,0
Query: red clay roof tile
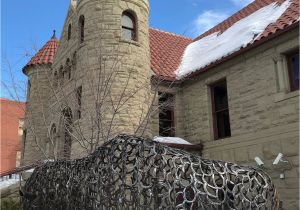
x,y
46,54
290,16
166,50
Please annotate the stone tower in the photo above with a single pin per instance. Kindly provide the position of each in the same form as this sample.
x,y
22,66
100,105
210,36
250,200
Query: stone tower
x,y
38,71
100,77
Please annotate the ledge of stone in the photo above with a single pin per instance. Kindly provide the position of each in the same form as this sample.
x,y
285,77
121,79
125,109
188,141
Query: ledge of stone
x,y
284,96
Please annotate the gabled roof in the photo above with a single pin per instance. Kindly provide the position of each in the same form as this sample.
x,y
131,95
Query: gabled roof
x,y
290,16
289,19
46,54
166,50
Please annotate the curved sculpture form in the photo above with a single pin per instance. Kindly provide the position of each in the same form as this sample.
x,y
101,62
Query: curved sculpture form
x,y
132,173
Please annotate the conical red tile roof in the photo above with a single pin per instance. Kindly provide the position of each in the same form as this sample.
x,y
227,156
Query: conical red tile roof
x,y
46,54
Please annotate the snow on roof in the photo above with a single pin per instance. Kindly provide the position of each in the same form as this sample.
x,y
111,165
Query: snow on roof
x,y
171,140
218,45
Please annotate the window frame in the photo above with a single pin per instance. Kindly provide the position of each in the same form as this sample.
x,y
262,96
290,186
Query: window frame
x,y
67,130
214,112
292,85
81,23
134,22
68,69
167,108
69,32
79,101
24,138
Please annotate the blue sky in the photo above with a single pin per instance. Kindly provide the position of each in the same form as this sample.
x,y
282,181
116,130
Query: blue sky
x,y
26,25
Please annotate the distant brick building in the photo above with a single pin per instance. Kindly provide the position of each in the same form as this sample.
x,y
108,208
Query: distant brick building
x,y
12,115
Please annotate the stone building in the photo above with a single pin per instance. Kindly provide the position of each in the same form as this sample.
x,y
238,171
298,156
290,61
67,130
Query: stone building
x,y
103,76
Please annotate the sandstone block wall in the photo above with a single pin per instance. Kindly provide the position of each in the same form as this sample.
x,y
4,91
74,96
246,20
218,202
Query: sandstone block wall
x,y
112,72
36,121
264,117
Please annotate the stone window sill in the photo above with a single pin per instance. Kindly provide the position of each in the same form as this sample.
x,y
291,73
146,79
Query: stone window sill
x,y
285,96
130,42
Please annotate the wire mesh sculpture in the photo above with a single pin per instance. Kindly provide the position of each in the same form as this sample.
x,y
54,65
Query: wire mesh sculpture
x,y
133,173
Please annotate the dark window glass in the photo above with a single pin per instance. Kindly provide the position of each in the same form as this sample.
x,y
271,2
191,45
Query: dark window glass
x,y
220,110
69,31
79,97
68,71
293,65
81,29
128,26
61,75
166,114
24,140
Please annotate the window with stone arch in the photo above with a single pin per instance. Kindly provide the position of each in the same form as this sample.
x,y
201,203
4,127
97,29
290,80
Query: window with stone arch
x,y
68,71
129,28
52,141
69,31
81,28
74,60
67,130
61,75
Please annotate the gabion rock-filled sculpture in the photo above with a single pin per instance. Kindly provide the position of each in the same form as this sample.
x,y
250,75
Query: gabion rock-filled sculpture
x,y
132,173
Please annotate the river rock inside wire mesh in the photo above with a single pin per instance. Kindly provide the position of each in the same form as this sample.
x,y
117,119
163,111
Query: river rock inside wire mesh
x,y
135,173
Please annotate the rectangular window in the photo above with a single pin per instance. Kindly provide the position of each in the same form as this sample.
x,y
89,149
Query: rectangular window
x,y
166,114
293,67
220,111
79,97
24,142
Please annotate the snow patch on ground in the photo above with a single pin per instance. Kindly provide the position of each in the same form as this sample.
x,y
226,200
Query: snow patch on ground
x,y
171,140
218,45
8,182
30,170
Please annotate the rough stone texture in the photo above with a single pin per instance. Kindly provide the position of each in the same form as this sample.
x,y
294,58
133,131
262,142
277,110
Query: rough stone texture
x,y
264,121
102,55
36,116
263,115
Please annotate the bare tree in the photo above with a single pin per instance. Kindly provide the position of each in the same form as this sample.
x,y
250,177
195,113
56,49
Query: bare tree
x,y
101,114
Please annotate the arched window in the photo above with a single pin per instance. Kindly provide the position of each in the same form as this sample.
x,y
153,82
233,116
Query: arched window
x,y
55,79
68,69
128,26
61,75
69,31
67,123
81,29
74,60
53,132
51,148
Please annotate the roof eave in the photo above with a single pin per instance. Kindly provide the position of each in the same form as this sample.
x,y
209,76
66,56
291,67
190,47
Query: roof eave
x,y
157,79
25,68
188,147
